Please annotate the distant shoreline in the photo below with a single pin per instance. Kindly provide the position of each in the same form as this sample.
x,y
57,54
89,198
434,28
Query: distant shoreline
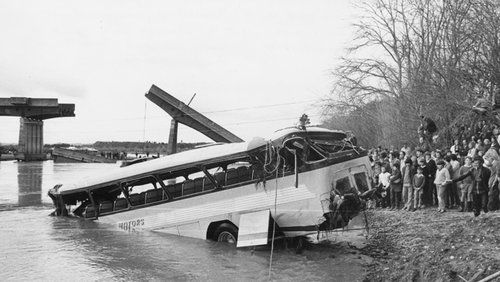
x,y
7,157
131,149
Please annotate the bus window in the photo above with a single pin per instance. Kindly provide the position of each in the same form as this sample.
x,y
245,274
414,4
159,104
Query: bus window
x,y
145,190
313,155
303,149
142,184
343,185
361,182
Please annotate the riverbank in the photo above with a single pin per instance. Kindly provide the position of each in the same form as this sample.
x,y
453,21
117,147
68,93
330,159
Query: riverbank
x,y
429,246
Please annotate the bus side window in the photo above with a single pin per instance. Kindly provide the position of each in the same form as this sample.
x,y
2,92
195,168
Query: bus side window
x,y
142,184
361,182
343,185
313,154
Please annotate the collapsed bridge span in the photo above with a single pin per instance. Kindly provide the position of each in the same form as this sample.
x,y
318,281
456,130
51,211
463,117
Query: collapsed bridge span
x,y
180,112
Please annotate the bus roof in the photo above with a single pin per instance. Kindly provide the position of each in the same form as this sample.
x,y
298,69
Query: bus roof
x,y
315,129
185,158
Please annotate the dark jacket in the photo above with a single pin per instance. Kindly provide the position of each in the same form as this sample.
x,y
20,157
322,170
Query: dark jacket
x,y
463,151
431,169
429,125
480,177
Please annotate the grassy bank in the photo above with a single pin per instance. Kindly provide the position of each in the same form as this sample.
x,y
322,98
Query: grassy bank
x,y
429,246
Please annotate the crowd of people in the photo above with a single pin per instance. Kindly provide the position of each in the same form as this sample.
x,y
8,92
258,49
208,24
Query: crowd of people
x,y
464,176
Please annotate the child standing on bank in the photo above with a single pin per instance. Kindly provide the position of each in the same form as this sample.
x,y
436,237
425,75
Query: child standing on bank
x,y
465,186
396,187
418,185
384,181
407,173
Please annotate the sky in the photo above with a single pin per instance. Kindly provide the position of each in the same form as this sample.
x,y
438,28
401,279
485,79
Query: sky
x,y
255,66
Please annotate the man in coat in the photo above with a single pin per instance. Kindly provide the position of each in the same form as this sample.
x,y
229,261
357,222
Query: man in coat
x,y
480,176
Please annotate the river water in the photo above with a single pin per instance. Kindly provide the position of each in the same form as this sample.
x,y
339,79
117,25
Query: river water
x,y
38,247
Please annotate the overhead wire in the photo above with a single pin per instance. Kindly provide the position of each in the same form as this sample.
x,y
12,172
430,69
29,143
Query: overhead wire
x,y
145,118
215,111
201,131
258,107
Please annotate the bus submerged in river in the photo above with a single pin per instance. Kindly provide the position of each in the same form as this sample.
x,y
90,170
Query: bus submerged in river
x,y
301,181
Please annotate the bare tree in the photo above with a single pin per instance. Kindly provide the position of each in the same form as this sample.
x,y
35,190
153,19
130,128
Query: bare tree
x,y
414,57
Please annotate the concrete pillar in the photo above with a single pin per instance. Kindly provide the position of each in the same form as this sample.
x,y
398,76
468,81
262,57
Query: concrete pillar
x,y
30,146
172,138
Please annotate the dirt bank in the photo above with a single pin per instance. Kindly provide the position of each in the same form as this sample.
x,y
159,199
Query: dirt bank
x,y
430,246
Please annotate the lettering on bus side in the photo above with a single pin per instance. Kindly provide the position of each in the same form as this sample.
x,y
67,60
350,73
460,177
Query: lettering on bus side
x,y
131,225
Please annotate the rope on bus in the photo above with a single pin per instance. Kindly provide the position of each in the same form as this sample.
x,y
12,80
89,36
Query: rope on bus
x,y
275,204
269,158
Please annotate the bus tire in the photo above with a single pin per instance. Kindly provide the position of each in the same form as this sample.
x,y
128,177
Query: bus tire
x,y
226,233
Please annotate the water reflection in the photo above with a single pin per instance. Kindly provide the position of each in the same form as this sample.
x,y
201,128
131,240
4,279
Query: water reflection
x,y
29,180
141,256
99,250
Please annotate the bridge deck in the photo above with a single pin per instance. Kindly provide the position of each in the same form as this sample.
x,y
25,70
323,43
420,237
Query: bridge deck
x,y
188,116
34,108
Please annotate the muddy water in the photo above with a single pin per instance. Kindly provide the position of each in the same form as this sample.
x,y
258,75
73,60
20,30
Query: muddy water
x,y
37,247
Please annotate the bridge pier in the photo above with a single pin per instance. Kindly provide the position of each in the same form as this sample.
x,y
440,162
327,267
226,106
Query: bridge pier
x,y
32,112
30,146
172,138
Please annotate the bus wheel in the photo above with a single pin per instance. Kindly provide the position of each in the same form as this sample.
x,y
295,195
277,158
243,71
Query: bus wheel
x,y
226,233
